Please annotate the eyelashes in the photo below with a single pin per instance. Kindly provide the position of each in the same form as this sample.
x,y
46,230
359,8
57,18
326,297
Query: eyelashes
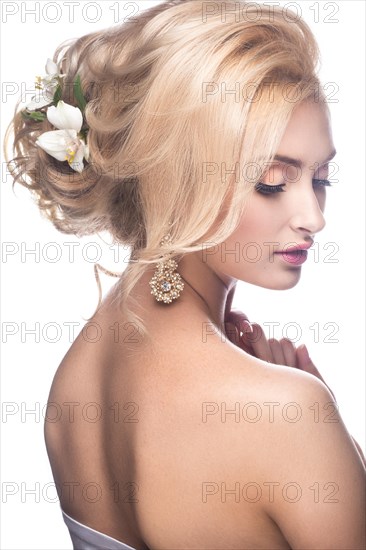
x,y
269,189
265,189
325,183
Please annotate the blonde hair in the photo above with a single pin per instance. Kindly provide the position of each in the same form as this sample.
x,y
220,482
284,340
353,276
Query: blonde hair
x,y
186,109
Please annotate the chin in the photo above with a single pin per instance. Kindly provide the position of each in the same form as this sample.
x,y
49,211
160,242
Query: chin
x,y
287,280
288,286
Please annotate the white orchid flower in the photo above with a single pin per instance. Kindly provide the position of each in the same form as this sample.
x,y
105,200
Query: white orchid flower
x,y
45,86
65,143
51,70
41,98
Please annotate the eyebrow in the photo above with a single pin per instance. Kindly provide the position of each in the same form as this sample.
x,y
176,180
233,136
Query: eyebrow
x,y
298,163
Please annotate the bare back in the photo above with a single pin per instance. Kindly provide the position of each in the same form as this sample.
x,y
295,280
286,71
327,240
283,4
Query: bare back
x,y
149,447
139,451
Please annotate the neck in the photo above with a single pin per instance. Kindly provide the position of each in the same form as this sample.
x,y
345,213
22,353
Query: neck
x,y
214,292
206,293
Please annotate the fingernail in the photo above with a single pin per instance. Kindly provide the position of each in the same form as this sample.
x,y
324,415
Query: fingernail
x,y
246,326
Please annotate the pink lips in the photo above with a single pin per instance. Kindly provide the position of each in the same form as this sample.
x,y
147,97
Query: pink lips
x,y
295,258
295,255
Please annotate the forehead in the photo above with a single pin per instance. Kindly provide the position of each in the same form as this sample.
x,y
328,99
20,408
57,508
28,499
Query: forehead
x,y
308,135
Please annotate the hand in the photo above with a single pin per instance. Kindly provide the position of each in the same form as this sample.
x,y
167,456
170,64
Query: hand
x,y
237,323
250,338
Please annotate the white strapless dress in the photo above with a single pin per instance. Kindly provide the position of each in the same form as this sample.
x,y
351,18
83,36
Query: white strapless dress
x,y
86,538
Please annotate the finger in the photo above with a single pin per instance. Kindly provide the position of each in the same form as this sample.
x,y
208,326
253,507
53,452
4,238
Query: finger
x,y
236,338
289,352
235,335
306,364
259,343
239,319
236,315
277,352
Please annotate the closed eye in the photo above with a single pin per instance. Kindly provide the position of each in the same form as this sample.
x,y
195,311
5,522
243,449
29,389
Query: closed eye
x,y
265,189
268,189
326,183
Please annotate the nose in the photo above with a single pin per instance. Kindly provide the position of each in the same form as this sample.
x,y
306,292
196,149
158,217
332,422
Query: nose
x,y
308,216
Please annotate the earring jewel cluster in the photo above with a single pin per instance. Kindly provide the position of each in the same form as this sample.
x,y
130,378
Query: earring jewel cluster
x,y
166,283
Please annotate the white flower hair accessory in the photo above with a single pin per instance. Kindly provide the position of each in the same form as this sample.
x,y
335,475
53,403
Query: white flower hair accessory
x,y
65,143
69,141
45,86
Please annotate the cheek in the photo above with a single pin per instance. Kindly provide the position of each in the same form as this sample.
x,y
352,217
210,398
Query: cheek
x,y
258,220
247,228
260,223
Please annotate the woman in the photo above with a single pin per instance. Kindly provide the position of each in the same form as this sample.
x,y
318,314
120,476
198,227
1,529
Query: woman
x,y
182,426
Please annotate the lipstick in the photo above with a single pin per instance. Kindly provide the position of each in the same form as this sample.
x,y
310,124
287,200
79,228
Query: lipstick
x,y
295,255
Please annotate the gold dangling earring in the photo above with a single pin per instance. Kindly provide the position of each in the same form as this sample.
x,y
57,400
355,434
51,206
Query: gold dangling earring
x,y
166,284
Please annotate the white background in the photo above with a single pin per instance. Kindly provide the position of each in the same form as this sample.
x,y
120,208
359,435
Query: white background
x,y
37,290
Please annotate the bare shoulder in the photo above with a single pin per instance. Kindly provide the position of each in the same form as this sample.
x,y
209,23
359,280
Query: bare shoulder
x,y
307,471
